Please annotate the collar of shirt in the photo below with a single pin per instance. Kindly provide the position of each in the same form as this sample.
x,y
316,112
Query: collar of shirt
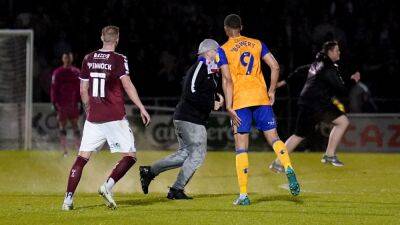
x,y
212,66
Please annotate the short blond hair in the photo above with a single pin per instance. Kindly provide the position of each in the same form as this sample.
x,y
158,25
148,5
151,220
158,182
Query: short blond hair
x,y
110,34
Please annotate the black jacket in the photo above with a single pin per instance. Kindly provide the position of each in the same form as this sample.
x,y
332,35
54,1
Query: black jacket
x,y
198,94
323,83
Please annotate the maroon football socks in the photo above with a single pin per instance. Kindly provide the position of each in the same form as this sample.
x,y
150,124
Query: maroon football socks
x,y
122,167
75,174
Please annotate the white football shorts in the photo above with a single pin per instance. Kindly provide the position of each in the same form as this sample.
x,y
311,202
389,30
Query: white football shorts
x,y
118,135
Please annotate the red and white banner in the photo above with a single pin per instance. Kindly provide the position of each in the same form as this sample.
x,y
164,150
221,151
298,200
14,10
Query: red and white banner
x,y
372,132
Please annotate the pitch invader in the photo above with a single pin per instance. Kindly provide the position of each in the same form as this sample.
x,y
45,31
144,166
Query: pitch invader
x,y
104,77
240,57
65,98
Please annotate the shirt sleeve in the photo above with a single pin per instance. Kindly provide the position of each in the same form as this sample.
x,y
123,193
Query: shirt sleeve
x,y
264,49
221,57
299,72
122,67
84,73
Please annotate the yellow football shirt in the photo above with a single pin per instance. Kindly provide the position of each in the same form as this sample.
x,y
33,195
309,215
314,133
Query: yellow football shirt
x,y
243,56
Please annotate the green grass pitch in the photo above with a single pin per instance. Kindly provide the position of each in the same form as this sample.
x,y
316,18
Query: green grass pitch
x,y
365,191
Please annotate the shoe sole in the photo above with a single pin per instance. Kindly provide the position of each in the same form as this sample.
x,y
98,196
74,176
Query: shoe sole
x,y
241,204
332,163
69,208
173,198
294,186
109,203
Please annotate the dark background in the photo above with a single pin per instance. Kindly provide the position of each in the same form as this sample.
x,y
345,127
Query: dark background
x,y
160,38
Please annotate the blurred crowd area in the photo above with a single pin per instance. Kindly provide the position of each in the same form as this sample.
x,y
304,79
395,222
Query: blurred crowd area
x,y
160,38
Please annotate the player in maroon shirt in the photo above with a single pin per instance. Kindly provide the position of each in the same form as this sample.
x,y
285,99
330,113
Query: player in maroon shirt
x,y
104,78
65,98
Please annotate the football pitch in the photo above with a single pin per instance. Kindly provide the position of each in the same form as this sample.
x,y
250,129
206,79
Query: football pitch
x,y
365,191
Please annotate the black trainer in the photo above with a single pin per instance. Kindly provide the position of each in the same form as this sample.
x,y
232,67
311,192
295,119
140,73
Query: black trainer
x,y
177,194
146,176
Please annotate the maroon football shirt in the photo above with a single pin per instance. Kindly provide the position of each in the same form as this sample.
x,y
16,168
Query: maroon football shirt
x,y
65,86
103,70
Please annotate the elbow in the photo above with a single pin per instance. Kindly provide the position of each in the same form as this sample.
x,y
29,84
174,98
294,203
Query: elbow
x,y
275,67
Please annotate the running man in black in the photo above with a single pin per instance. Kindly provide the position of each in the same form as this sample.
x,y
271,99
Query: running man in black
x,y
315,104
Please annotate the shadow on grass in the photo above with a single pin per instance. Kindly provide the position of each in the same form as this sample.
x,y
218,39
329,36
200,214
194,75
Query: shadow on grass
x,y
143,201
150,200
90,206
272,198
200,196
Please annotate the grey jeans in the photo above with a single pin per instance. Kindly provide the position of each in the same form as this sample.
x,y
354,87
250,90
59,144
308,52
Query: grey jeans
x,y
192,139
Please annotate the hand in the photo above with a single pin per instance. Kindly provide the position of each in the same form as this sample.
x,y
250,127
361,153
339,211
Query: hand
x,y
218,104
271,95
54,107
234,117
85,107
281,84
145,117
356,76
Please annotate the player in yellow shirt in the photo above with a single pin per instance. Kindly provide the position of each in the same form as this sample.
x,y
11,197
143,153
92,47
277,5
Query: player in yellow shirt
x,y
248,100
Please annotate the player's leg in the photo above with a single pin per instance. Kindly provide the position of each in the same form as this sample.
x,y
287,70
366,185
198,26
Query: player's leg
x,y
120,169
172,161
196,138
120,139
241,135
77,133
278,146
62,132
291,143
340,125
74,178
304,125
265,121
91,141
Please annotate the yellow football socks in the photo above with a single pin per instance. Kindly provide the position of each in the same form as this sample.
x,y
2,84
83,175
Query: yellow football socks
x,y
282,153
242,167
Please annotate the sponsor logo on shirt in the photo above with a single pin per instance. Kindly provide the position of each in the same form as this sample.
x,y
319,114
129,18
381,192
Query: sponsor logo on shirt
x,y
103,66
115,146
101,56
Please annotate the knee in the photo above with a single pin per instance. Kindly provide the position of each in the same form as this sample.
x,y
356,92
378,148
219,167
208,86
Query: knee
x,y
272,136
345,122
197,162
198,159
85,155
129,154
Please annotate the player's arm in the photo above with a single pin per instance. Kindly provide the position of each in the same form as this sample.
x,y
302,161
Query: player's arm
x,y
84,85
84,90
134,97
53,90
227,86
270,60
298,72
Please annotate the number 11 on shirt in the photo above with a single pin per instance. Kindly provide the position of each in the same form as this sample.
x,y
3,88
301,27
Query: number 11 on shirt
x,y
99,82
